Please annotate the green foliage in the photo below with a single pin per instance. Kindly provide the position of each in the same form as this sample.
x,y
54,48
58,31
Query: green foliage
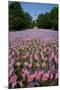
x,y
33,23
48,20
18,19
27,20
54,17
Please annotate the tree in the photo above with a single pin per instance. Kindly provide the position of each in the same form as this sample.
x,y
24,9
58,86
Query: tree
x,y
54,17
27,20
40,21
48,20
18,19
34,23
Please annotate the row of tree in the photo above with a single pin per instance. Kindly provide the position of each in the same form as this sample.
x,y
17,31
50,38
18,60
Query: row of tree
x,y
48,20
18,19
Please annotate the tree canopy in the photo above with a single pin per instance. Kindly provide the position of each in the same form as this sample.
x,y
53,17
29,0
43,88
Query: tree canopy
x,y
19,19
48,20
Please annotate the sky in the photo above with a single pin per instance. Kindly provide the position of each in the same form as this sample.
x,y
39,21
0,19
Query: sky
x,y
34,9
